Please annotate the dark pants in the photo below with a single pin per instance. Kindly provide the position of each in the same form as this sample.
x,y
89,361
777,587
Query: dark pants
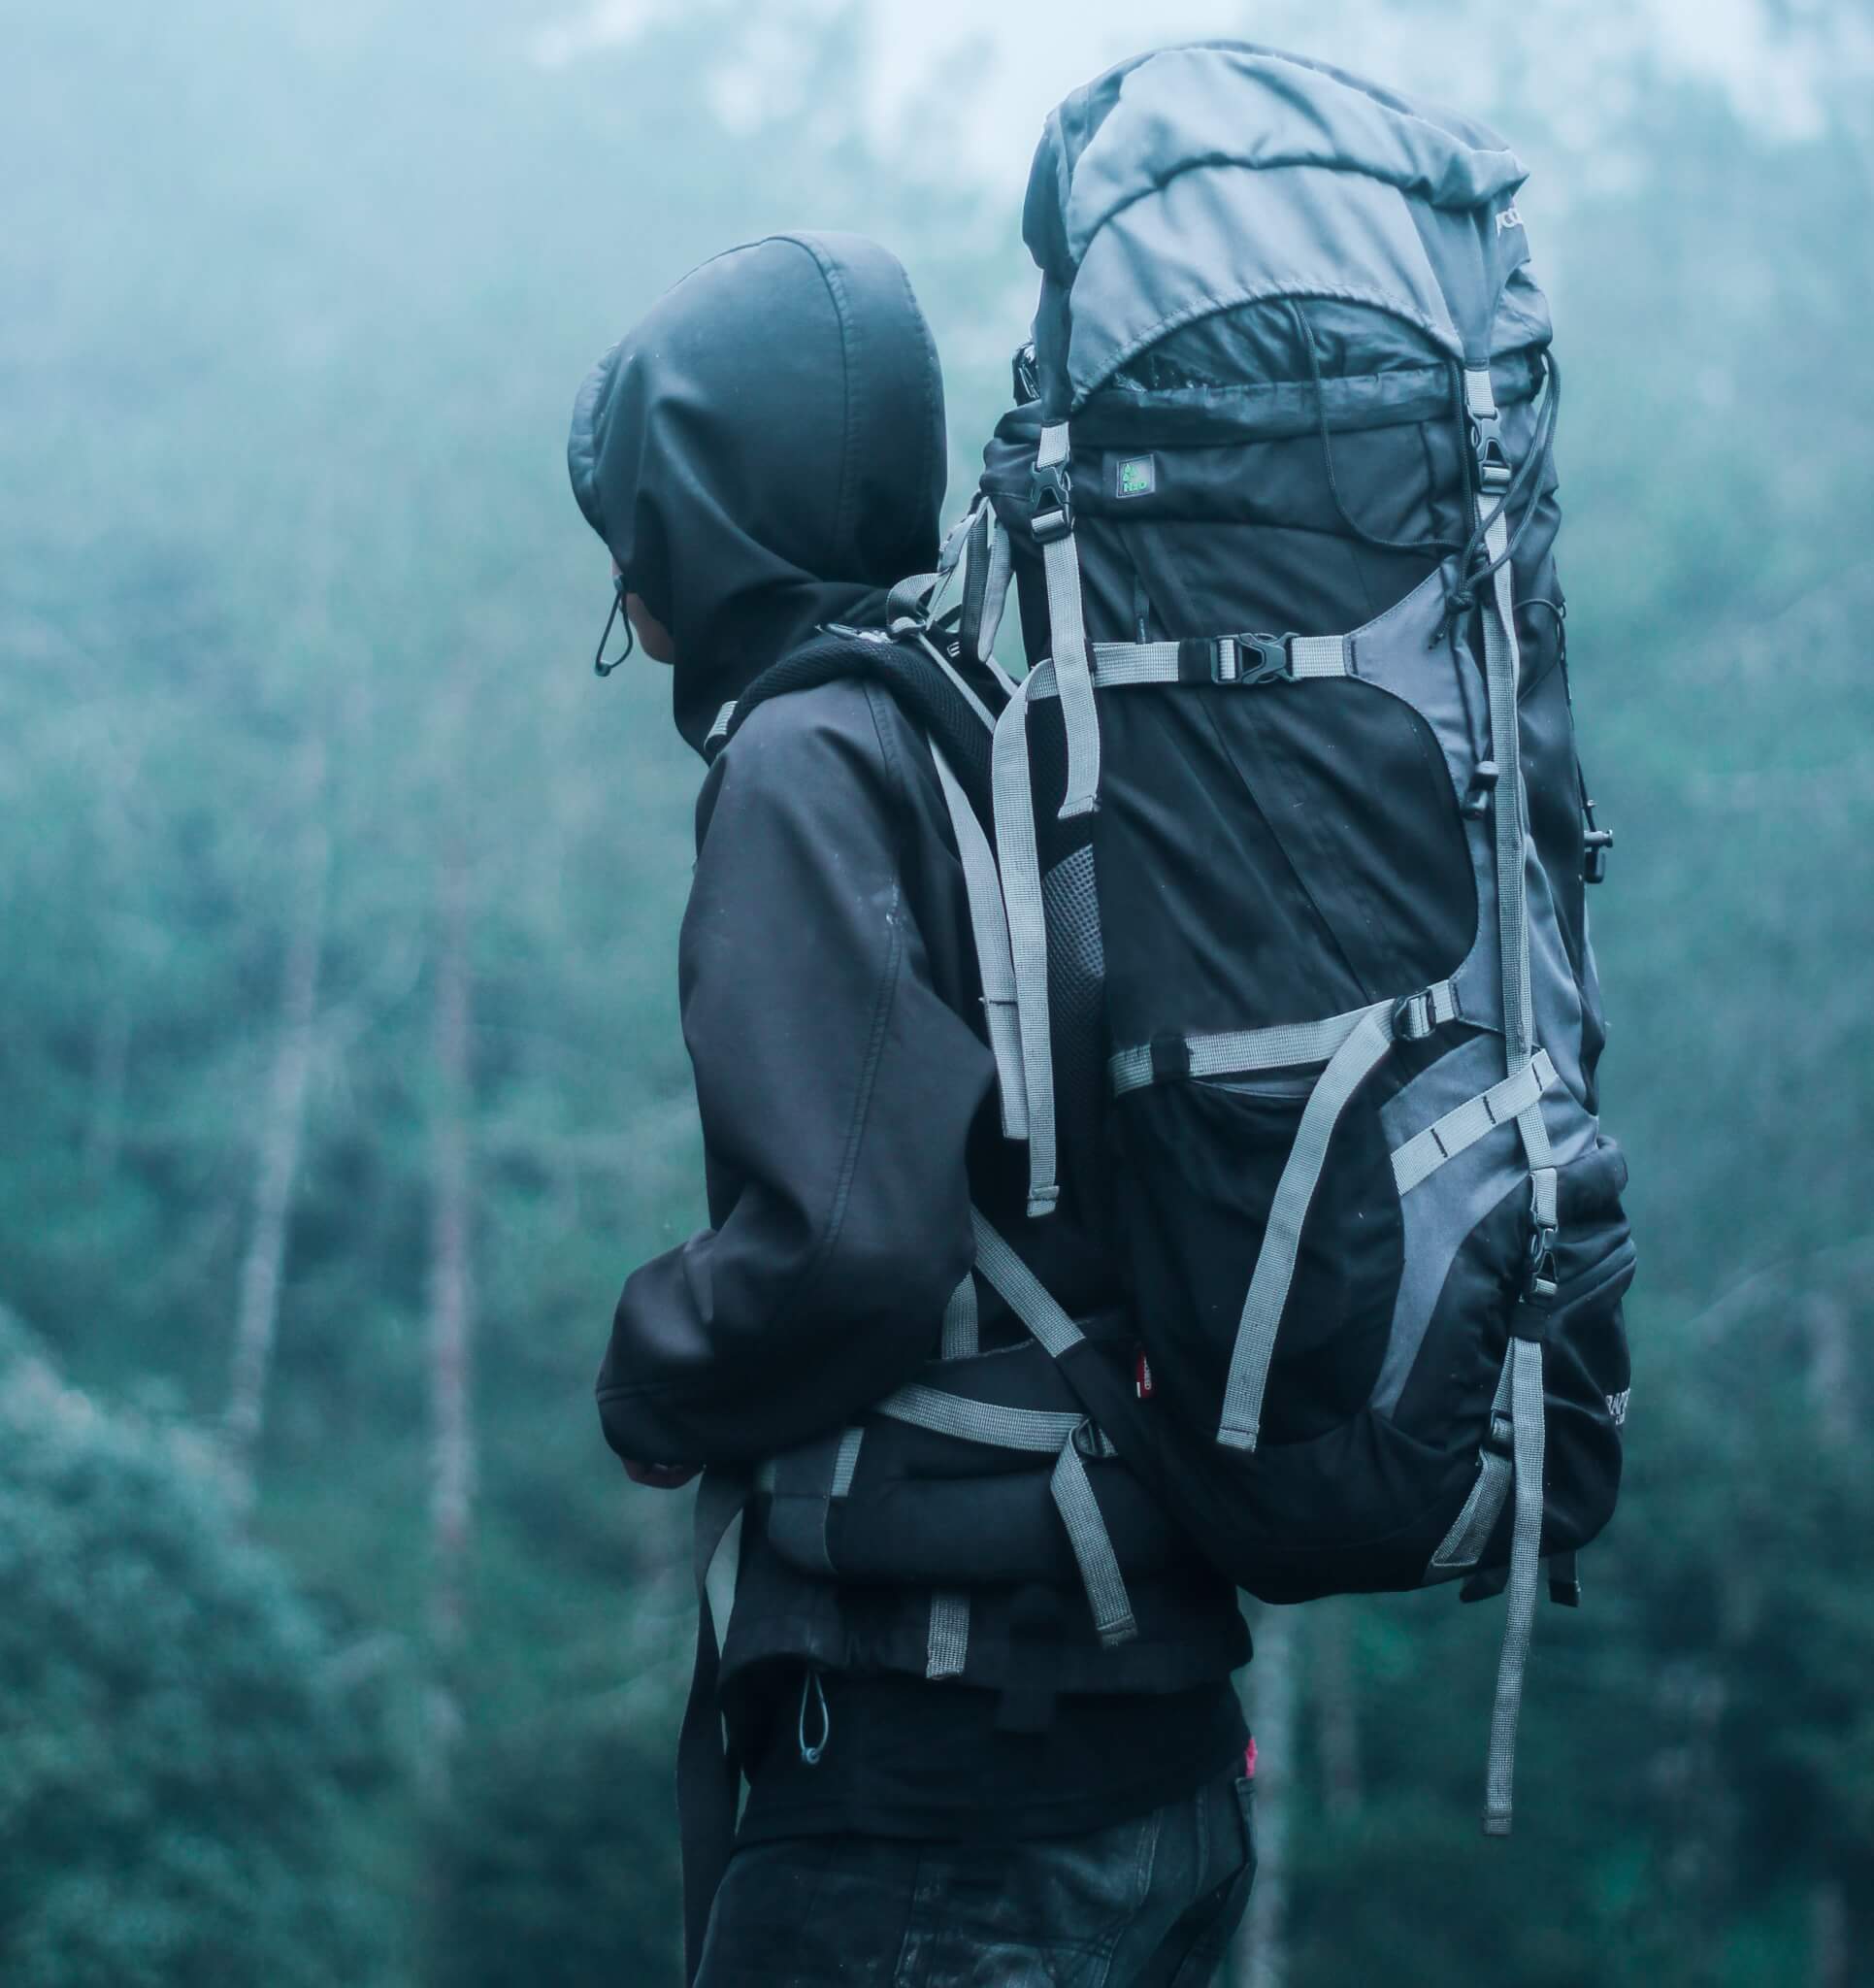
x,y
1146,1904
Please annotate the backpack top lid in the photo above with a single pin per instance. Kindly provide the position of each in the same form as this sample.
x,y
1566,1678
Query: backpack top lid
x,y
1198,178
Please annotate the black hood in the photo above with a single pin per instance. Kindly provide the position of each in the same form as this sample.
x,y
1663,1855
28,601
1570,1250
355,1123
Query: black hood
x,y
764,451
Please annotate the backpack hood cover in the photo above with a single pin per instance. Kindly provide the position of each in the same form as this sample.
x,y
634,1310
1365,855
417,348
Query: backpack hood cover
x,y
1198,178
765,451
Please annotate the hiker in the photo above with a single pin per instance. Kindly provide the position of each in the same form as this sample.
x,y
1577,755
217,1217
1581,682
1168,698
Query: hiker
x,y
981,1697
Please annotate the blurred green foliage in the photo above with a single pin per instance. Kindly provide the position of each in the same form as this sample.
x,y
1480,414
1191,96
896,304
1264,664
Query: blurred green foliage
x,y
297,301
184,1750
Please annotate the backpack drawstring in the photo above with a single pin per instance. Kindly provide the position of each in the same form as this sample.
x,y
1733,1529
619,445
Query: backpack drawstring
x,y
812,1688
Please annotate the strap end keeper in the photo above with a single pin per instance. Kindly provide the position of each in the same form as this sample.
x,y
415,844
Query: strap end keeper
x,y
1496,1823
1114,1633
1170,1058
1230,1437
1041,1201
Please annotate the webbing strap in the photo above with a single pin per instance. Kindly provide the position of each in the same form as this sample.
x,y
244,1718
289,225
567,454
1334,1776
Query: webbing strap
x,y
1092,1549
1463,1547
1223,659
708,1773
1012,792
1349,1066
946,1646
1002,568
1244,1051
1067,643
1022,1291
1421,1156
846,1462
990,1423
959,1338
1042,1431
1526,1549
1318,656
1502,666
995,960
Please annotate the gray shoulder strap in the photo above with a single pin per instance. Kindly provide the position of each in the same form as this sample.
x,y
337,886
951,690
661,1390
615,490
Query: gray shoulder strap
x,y
1068,629
995,961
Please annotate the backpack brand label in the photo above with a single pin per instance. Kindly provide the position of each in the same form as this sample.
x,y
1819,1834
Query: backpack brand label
x,y
1136,476
1617,1407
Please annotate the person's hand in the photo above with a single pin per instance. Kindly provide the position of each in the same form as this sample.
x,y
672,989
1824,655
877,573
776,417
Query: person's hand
x,y
661,1477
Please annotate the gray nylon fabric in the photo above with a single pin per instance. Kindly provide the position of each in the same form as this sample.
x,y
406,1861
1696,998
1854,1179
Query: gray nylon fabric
x,y
1226,175
1526,1551
1444,1210
1068,639
995,960
1012,792
1092,1549
1255,109
1022,1291
1421,1156
994,599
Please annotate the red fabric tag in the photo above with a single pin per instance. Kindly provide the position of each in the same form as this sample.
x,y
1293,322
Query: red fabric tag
x,y
1249,1759
1142,1376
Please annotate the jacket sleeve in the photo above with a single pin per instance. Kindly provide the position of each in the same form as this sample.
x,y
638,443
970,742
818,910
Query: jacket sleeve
x,y
836,1092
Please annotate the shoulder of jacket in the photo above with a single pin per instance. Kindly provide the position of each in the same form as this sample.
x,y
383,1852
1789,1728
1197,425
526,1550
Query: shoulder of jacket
x,y
849,724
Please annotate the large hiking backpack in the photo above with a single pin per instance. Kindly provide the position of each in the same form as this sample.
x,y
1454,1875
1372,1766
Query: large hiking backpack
x,y
1281,517
1290,808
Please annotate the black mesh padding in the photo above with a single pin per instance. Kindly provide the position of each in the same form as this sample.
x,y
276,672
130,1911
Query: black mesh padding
x,y
914,678
1076,979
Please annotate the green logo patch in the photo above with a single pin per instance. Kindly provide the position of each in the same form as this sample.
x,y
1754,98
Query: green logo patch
x,y
1137,477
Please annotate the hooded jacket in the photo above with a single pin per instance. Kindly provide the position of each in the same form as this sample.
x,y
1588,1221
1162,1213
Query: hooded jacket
x,y
764,452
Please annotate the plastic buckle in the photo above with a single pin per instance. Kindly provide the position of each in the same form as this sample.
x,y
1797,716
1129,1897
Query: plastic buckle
x,y
1492,465
1413,1020
1050,493
1275,666
1542,1283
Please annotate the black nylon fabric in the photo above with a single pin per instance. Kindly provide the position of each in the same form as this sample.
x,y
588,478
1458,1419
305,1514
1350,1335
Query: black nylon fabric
x,y
1287,852
764,451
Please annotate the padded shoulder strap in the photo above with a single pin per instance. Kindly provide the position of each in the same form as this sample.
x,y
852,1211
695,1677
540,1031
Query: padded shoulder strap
x,y
927,690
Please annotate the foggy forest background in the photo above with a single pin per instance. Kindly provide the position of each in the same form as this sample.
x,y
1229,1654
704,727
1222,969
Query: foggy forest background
x,y
340,1077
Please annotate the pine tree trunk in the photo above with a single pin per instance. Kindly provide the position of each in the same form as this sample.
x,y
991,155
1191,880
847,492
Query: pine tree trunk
x,y
281,1134
450,1304
1336,1706
1829,1960
1261,1956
